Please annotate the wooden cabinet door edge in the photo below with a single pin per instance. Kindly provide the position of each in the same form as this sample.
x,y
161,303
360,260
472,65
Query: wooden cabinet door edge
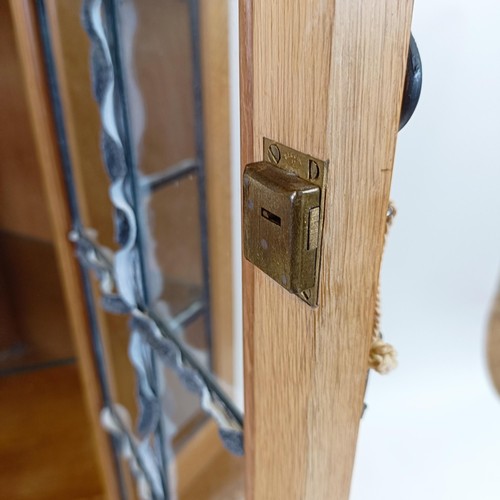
x,y
324,78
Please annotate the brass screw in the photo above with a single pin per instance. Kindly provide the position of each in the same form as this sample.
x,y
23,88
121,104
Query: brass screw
x,y
274,153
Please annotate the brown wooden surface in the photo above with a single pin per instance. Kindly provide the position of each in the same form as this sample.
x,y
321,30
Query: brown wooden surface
x,y
55,193
39,320
22,204
493,352
223,479
196,455
9,335
325,79
207,471
45,450
215,77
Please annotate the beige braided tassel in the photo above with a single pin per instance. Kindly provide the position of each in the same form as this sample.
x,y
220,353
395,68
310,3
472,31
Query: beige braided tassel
x,y
383,356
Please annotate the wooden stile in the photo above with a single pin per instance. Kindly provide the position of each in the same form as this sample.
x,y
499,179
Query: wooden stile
x,y
324,78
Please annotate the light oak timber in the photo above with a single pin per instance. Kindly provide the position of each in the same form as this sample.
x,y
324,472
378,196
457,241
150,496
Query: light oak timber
x,y
31,59
45,450
215,81
207,471
324,78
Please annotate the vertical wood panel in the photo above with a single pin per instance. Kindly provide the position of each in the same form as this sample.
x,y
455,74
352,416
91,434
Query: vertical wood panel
x,y
215,79
45,450
22,204
324,78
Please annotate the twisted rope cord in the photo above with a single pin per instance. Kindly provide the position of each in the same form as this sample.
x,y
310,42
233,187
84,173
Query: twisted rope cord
x,y
383,356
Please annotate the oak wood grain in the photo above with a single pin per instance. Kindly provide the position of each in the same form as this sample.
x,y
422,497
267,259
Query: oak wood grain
x,y
45,450
215,81
207,471
324,78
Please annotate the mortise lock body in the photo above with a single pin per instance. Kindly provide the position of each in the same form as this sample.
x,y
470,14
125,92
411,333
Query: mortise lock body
x,y
282,218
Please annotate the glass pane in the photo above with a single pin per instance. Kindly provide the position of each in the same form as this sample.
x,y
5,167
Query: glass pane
x,y
163,84
175,235
161,351
157,48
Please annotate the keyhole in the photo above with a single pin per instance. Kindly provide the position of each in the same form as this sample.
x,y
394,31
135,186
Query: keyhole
x,y
270,216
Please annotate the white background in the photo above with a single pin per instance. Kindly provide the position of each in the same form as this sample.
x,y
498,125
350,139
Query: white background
x,y
432,429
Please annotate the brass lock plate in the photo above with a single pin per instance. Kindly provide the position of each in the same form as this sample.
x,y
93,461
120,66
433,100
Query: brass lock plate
x,y
283,209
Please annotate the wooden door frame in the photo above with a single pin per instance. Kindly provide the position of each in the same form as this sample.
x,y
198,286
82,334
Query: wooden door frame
x,y
325,78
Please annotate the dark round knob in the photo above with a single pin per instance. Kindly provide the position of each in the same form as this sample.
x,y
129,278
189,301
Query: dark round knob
x,y
413,84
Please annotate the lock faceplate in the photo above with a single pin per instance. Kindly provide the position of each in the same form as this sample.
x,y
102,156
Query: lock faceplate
x,y
283,217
